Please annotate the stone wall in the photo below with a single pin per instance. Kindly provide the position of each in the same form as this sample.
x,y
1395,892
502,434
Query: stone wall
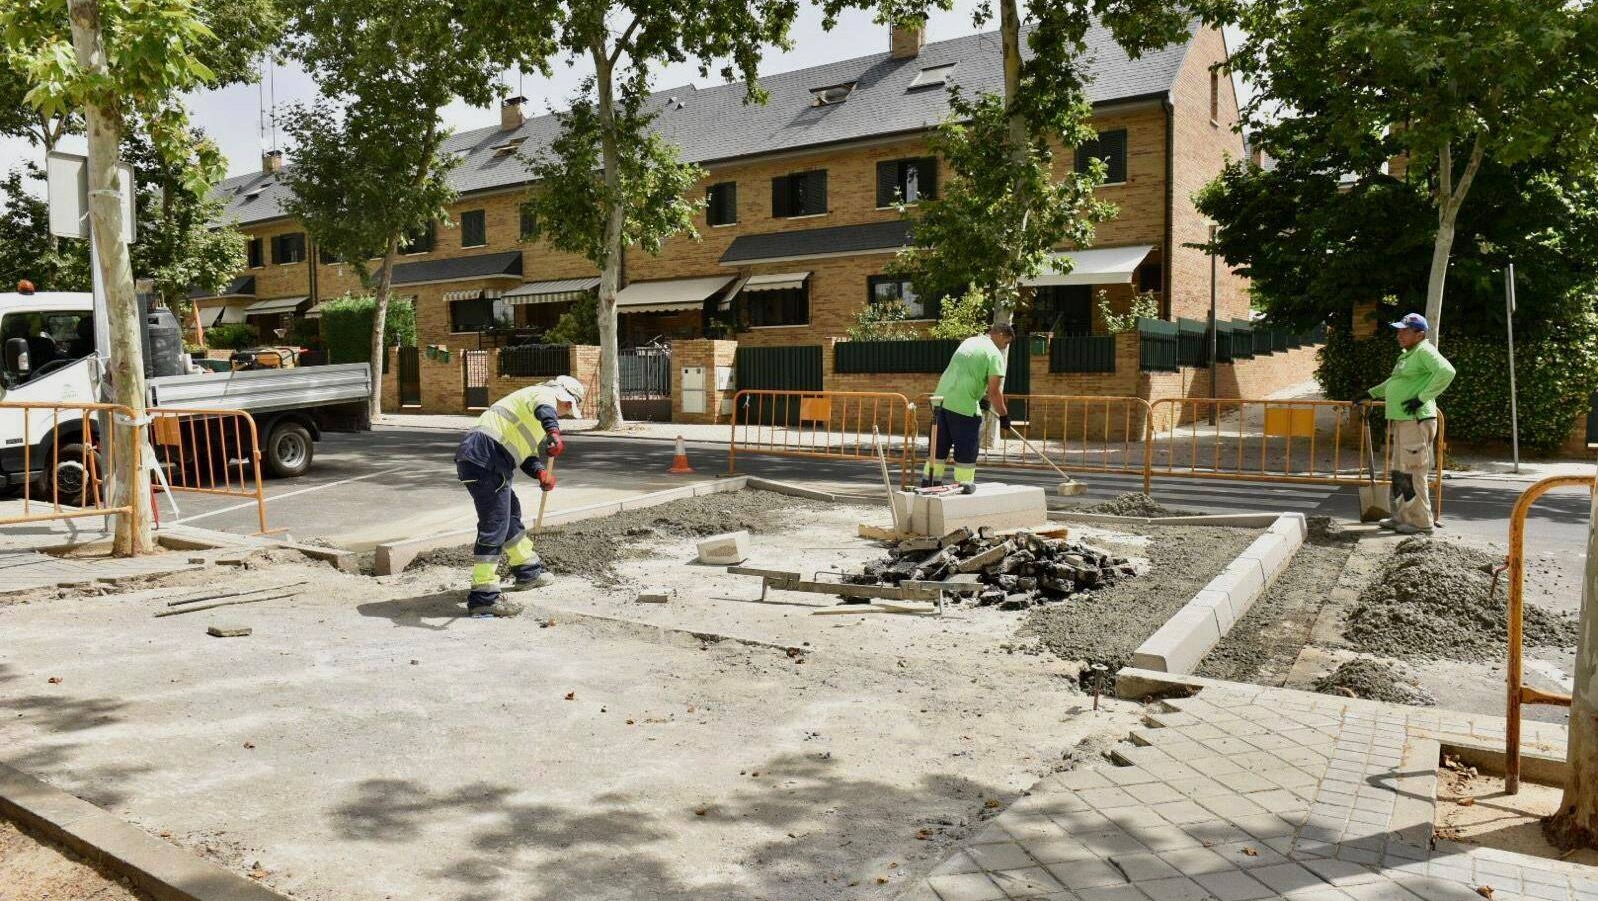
x,y
444,382
709,355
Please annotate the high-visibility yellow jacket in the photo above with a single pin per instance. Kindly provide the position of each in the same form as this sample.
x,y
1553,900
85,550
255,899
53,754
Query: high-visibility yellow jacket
x,y
519,421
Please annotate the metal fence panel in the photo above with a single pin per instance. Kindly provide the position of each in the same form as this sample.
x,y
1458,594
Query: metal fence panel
x,y
535,361
1157,345
1082,353
930,355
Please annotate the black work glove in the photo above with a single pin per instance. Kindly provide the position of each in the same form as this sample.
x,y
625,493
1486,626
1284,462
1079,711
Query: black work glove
x,y
1413,405
984,404
1004,423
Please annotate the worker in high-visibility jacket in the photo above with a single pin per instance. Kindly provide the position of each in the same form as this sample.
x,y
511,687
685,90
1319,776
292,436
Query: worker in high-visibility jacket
x,y
515,433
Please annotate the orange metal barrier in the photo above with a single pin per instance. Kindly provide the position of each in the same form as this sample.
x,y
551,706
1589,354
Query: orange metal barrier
x,y
215,452
839,425
1080,432
66,454
1519,694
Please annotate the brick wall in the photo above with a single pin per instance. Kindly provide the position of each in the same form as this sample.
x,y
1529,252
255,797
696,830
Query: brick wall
x,y
444,383
709,355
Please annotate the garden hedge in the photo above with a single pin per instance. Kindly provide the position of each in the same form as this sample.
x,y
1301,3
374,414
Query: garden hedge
x,y
232,336
347,327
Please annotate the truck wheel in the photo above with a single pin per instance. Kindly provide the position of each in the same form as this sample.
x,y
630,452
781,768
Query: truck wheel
x,y
71,480
288,450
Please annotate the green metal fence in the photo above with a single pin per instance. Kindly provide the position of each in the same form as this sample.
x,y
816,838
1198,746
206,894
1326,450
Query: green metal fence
x,y
1157,345
930,355
535,360
1082,353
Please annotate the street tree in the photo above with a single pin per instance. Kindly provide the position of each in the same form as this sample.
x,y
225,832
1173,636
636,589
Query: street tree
x,y
367,173
182,242
608,182
26,251
1442,87
115,60
1576,823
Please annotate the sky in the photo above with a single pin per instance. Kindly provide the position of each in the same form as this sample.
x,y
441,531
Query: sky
x,y
232,116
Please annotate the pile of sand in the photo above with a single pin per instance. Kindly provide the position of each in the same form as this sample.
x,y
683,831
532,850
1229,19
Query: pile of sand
x,y
1431,599
1373,681
1133,503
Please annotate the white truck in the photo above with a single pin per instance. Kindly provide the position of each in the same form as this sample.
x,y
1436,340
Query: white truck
x,y
47,341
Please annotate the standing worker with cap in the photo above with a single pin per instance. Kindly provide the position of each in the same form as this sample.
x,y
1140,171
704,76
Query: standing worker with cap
x,y
513,434
970,384
1419,376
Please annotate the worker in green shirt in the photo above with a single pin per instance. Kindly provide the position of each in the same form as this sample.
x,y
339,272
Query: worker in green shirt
x,y
970,384
1419,376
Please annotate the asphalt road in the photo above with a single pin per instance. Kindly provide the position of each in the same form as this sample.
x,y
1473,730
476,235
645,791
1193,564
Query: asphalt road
x,y
394,482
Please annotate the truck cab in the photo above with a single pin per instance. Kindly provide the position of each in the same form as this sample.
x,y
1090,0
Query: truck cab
x,y
47,356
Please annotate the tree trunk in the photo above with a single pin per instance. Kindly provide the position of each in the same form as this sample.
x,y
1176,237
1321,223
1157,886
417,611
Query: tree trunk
x,y
1449,199
1576,823
385,284
1010,35
608,403
125,366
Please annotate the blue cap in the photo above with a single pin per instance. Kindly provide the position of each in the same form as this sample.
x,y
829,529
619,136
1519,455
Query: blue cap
x,y
1412,320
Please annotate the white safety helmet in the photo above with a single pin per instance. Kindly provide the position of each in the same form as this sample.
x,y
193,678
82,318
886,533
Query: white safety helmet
x,y
567,389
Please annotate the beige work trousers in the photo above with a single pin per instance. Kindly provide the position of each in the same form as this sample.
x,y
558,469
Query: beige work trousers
x,y
1411,447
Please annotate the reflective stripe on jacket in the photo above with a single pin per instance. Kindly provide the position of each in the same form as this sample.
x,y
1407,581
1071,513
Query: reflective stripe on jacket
x,y
513,421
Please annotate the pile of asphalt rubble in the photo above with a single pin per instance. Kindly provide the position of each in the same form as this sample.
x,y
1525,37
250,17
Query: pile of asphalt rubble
x,y
1016,571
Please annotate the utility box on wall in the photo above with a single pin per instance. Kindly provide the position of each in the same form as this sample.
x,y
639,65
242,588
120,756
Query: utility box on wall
x,y
693,389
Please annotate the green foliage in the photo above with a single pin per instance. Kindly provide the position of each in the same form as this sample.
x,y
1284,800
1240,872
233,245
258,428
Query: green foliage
x,y
347,327
1556,371
573,203
578,325
178,245
1000,216
26,249
1144,306
886,320
306,333
232,336
964,315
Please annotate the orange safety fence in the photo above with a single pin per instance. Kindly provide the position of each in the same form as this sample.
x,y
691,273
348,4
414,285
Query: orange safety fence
x,y
214,452
1076,432
838,425
66,452
1519,694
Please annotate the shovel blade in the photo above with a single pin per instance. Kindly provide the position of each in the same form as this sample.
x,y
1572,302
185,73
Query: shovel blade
x,y
1374,503
1071,489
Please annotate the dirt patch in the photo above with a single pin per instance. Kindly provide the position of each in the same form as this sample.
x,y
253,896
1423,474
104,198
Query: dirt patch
x,y
1432,599
1473,808
34,870
1264,644
1133,503
1107,625
591,547
1373,681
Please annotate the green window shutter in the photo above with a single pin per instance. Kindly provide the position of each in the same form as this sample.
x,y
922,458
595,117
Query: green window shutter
x,y
927,171
474,228
1112,144
887,182
781,196
818,184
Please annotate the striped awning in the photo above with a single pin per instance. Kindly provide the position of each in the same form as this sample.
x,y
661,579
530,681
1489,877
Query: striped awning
x,y
776,282
553,291
274,306
669,295
1099,266
225,314
473,294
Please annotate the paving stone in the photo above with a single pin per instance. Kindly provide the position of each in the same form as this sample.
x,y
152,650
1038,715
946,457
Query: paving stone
x,y
1077,780
1193,861
1033,827
1158,793
1129,818
1106,844
1057,850
1164,838
920,892
1129,775
1183,812
1178,889
1249,855
1006,856
966,887
1107,798
1143,867
1214,766
1432,888
1232,806
1028,882
1111,893
1286,877
1080,874
1264,826
1341,872
1216,832
1245,782
1232,886
1382,890
958,862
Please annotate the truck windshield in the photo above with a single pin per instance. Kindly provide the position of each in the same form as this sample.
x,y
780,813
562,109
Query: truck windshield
x,y
55,339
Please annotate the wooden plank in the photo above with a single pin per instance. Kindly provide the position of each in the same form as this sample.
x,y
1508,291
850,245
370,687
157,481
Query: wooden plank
x,y
878,533
774,574
912,609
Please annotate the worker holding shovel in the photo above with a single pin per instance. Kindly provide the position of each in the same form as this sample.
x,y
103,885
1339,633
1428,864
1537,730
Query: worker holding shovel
x,y
1419,376
970,383
514,433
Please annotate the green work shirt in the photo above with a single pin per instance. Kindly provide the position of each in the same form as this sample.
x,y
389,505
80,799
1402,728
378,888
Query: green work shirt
x,y
1420,372
965,379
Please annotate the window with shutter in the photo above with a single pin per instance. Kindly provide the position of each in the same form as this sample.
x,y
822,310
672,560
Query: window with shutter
x,y
907,181
781,205
799,194
721,203
474,228
1109,147
256,253
288,249
787,306
529,223
422,243
881,288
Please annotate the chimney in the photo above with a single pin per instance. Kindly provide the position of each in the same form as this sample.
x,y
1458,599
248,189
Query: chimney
x,y
272,161
510,113
904,41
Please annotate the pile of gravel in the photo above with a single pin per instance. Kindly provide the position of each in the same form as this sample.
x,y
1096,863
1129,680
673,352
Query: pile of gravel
x,y
1431,599
1373,681
1133,503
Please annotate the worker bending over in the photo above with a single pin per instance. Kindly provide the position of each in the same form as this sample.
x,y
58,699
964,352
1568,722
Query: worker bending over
x,y
970,384
1420,374
512,435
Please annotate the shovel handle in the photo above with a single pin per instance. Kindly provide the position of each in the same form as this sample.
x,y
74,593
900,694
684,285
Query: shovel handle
x,y
543,501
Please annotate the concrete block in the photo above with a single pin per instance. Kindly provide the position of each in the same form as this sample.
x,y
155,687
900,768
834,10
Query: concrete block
x,y
228,631
1239,580
1272,551
656,595
730,549
1218,601
994,504
1180,644
1289,525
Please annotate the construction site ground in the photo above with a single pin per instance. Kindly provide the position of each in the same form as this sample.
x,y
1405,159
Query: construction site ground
x,y
367,741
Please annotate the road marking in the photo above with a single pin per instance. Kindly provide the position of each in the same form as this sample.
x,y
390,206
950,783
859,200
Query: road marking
x,y
274,497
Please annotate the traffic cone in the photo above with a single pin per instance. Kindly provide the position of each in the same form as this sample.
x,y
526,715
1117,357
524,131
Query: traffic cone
x,y
679,463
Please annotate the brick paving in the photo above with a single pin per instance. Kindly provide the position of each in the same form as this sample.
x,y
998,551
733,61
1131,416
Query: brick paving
x,y
1242,793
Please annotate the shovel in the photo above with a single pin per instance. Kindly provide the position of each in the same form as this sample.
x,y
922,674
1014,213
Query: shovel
x,y
1070,487
1375,502
543,501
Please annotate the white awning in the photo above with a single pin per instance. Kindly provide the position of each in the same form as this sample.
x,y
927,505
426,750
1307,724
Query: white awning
x,y
669,295
473,294
1099,266
553,291
776,282
223,314
274,306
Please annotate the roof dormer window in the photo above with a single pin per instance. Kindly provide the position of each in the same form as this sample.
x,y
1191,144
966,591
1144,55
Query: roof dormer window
x,y
833,95
508,147
933,77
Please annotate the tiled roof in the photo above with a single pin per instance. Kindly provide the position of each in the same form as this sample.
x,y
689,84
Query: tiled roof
x,y
714,124
816,242
482,265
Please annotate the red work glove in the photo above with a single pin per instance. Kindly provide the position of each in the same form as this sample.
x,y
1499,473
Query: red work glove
x,y
546,480
553,445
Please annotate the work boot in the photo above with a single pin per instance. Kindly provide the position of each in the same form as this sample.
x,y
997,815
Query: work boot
x,y
499,608
531,576
1405,528
930,482
1388,523
968,488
